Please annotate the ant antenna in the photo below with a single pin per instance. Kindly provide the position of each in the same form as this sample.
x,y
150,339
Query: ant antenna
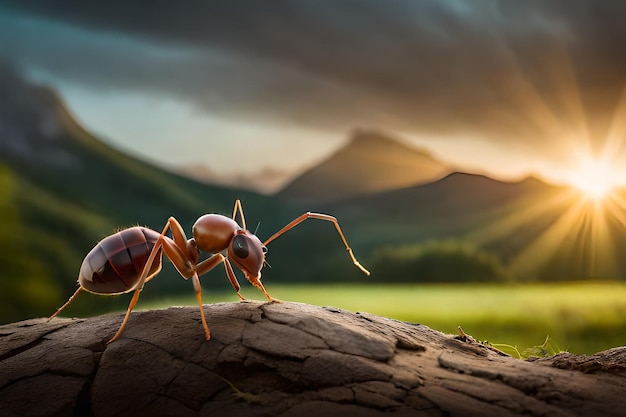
x,y
257,227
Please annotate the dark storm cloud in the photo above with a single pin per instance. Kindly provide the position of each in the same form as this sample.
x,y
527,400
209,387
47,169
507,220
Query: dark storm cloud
x,y
489,69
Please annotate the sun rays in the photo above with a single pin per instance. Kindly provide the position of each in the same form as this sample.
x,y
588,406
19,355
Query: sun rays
x,y
581,220
570,232
558,234
580,239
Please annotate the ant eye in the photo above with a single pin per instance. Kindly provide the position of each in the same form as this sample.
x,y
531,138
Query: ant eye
x,y
240,247
264,249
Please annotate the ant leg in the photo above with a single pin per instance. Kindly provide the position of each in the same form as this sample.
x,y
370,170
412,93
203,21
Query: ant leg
x,y
210,263
239,209
65,305
179,253
319,216
178,234
233,278
133,301
257,283
186,270
198,289
179,258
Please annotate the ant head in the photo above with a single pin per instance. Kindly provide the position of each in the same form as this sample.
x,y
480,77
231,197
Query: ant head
x,y
247,253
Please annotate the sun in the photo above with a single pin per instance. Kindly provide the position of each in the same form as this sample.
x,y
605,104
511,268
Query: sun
x,y
594,178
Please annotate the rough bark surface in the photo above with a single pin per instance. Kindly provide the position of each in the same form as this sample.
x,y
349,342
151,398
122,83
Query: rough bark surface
x,y
287,360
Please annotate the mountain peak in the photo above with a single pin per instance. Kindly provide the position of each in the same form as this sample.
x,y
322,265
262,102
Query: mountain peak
x,y
371,161
376,138
30,122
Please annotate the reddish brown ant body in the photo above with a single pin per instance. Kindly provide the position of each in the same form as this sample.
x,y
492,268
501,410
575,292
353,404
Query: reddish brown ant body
x,y
126,260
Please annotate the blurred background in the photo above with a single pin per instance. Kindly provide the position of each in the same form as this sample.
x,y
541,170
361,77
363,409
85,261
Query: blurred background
x,y
473,152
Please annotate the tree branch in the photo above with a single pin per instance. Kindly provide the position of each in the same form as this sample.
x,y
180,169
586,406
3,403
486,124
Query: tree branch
x,y
286,359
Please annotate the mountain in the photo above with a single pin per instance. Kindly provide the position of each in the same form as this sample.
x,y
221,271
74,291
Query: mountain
x,y
450,206
371,162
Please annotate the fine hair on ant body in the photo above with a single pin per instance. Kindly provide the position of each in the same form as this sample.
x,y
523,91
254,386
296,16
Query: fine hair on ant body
x,y
126,260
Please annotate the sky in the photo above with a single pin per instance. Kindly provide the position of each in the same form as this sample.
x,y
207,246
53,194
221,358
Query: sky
x,y
508,88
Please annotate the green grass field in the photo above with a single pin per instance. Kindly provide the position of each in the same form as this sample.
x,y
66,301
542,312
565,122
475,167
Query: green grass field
x,y
577,317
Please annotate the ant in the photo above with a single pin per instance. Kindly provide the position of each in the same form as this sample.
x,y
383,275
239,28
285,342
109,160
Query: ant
x,y
126,260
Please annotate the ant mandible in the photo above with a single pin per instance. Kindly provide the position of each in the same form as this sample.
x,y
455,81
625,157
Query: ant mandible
x,y
126,260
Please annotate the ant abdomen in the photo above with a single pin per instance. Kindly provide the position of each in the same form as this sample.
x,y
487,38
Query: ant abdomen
x,y
115,264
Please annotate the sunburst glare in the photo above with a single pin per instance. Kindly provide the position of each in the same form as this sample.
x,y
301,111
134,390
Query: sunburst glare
x,y
568,232
594,178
